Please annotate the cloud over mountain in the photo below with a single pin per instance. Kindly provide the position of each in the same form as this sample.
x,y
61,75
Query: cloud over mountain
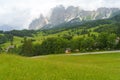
x,y
21,12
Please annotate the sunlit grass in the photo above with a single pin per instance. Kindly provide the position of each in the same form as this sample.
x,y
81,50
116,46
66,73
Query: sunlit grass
x,y
17,42
62,67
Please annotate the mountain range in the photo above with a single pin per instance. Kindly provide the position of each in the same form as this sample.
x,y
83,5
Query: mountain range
x,y
8,28
60,15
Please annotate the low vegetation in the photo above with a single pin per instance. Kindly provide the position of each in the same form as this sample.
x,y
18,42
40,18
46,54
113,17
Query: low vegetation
x,y
60,67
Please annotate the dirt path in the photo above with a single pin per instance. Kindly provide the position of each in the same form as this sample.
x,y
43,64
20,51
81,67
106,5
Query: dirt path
x,y
76,54
117,51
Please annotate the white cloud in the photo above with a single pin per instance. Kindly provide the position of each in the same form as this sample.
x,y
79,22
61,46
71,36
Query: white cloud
x,y
21,12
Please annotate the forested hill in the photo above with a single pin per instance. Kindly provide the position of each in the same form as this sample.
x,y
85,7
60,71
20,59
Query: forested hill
x,y
94,35
103,25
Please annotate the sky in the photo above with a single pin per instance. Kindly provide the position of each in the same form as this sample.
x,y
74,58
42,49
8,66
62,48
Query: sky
x,y
20,13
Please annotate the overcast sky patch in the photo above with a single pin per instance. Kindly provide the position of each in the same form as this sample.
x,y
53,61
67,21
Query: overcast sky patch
x,y
21,12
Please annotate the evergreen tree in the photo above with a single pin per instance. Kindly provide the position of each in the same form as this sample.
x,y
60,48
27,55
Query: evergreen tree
x,y
27,47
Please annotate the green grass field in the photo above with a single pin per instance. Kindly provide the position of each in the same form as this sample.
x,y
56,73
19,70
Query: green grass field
x,y
60,67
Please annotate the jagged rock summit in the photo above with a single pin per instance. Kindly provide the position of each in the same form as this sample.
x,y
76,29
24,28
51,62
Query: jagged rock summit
x,y
60,14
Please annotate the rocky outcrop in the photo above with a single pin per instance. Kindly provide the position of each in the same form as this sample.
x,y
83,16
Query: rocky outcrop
x,y
57,15
71,13
103,13
38,23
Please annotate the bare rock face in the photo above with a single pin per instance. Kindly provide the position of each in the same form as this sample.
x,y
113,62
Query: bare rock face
x,y
103,13
38,23
60,14
71,13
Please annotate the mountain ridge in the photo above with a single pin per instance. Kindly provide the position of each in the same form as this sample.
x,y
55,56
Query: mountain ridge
x,y
60,15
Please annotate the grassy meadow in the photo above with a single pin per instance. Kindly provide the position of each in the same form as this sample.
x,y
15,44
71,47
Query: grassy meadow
x,y
60,67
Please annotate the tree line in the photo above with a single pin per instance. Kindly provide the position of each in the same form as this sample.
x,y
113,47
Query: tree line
x,y
56,45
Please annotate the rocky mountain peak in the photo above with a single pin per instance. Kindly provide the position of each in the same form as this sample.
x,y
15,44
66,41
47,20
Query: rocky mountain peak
x,y
60,14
